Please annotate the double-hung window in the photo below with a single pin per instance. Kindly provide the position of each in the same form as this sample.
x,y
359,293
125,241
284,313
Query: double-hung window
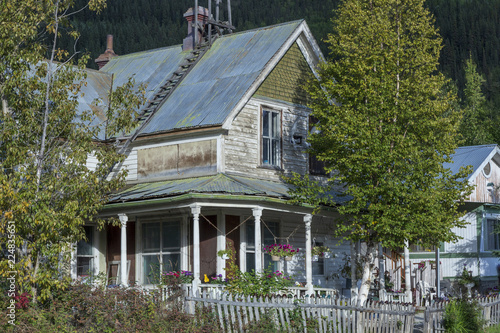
x,y
267,239
84,254
161,249
316,167
271,138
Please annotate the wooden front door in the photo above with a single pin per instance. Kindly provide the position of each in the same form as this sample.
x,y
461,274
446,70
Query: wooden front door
x,y
208,247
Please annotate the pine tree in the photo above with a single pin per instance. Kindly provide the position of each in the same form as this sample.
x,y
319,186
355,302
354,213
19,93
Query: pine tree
x,y
476,125
386,126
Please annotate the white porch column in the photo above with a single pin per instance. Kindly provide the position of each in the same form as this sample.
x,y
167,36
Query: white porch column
x,y
195,210
407,271
257,214
309,285
123,250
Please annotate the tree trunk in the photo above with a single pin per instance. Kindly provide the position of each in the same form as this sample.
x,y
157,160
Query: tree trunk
x,y
368,264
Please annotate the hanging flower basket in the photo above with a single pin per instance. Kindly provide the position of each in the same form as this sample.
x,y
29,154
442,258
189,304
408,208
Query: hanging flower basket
x,y
315,257
281,250
288,258
321,251
275,258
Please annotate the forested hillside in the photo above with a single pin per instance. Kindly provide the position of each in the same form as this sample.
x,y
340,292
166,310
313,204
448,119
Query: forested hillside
x,y
470,28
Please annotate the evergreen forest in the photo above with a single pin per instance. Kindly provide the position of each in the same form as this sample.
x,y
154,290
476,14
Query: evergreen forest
x,y
470,30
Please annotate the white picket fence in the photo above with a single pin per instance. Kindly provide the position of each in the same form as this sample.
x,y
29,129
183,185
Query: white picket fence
x,y
320,314
433,315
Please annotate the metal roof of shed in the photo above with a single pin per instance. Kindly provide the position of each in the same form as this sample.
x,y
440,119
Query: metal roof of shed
x,y
214,87
476,156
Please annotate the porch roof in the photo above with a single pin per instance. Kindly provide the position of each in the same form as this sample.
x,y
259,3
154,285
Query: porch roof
x,y
220,183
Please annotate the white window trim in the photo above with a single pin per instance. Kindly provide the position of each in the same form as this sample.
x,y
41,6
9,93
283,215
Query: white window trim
x,y
484,230
94,255
264,107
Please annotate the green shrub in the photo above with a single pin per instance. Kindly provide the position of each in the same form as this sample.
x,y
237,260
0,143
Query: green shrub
x,y
85,308
463,316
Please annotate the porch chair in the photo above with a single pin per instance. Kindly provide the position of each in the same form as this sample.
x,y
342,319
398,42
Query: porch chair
x,y
116,278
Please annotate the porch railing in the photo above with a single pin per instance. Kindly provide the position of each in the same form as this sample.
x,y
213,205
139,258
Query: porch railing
x,y
218,289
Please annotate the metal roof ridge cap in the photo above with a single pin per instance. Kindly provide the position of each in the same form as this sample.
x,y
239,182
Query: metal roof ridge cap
x,y
262,28
145,51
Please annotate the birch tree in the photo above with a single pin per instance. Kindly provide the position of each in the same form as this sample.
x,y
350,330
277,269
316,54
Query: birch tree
x,y
385,127
47,192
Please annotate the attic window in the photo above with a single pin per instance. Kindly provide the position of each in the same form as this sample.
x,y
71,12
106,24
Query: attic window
x,y
487,170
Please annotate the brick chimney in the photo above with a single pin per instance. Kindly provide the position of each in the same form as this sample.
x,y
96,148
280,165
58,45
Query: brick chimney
x,y
189,42
103,59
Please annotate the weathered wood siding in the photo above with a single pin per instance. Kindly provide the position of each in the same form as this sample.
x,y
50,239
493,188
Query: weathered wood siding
x,y
242,144
483,192
170,160
187,159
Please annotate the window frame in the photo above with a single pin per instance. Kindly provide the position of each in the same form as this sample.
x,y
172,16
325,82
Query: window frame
x,y
279,137
250,249
91,256
490,237
321,260
162,250
313,163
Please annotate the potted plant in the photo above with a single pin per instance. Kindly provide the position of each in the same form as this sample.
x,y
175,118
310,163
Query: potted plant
x,y
281,250
466,279
224,254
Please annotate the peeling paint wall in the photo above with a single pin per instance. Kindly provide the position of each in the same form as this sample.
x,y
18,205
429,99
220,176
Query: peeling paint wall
x,y
242,144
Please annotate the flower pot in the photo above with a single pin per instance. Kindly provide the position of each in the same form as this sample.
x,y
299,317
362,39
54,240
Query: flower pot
x,y
315,258
288,258
275,258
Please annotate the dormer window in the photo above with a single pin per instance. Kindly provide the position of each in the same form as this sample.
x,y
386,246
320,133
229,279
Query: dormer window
x,y
271,138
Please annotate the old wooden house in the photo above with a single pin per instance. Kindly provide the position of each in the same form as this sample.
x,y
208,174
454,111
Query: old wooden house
x,y
226,117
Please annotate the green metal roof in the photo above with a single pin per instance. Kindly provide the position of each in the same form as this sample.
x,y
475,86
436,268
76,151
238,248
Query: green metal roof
x,y
215,85
220,183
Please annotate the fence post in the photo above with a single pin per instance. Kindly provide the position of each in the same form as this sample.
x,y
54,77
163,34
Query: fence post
x,y
487,315
426,320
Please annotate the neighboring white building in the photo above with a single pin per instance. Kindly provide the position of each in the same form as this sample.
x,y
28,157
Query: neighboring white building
x,y
478,241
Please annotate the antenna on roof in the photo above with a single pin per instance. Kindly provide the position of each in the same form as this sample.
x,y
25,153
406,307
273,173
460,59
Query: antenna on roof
x,y
217,27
